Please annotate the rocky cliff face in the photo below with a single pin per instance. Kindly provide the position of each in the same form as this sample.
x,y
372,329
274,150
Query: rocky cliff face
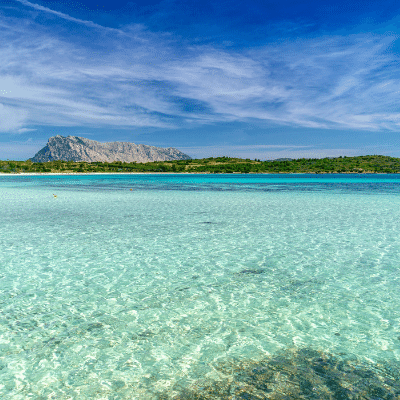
x,y
74,148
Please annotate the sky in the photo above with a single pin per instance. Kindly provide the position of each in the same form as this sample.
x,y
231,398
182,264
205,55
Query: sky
x,y
261,79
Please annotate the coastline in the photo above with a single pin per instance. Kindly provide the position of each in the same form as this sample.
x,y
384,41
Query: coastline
x,y
219,165
192,173
90,173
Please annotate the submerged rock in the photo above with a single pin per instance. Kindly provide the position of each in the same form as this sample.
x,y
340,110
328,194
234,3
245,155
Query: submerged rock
x,y
297,374
253,271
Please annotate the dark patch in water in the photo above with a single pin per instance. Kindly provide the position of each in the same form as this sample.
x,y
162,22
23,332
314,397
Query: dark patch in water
x,y
295,374
95,325
118,385
182,289
143,335
26,324
52,341
253,271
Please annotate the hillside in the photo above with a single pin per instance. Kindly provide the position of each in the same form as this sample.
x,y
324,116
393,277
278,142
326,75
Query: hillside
x,y
362,164
78,149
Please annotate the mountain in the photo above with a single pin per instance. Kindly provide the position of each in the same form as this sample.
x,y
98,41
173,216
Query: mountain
x,y
74,148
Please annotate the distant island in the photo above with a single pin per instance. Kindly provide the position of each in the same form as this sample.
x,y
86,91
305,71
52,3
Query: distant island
x,y
75,148
219,165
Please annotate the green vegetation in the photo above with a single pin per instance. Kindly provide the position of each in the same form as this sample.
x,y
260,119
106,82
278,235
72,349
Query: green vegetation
x,y
226,165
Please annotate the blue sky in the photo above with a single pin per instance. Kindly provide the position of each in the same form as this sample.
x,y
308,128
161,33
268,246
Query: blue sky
x,y
257,78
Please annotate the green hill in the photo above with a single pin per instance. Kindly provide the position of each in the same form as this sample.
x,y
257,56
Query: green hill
x,y
361,164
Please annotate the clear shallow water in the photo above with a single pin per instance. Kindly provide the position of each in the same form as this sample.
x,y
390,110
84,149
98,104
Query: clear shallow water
x,y
108,293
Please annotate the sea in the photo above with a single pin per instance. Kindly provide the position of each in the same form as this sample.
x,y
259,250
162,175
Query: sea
x,y
200,286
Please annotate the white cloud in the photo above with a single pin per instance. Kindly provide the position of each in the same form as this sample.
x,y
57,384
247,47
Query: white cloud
x,y
25,130
67,17
130,77
20,150
11,118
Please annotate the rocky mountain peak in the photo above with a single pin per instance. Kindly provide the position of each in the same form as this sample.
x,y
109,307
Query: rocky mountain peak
x,y
75,148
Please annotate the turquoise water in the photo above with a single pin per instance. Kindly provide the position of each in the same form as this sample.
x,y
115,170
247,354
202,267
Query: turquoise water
x,y
112,293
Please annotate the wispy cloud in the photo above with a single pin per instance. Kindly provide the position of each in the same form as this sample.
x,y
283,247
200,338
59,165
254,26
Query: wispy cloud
x,y
20,149
134,78
25,130
12,118
67,17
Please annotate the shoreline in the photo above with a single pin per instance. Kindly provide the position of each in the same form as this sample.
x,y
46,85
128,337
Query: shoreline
x,y
192,173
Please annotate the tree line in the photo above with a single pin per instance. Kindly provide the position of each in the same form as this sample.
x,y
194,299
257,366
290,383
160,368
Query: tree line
x,y
224,165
